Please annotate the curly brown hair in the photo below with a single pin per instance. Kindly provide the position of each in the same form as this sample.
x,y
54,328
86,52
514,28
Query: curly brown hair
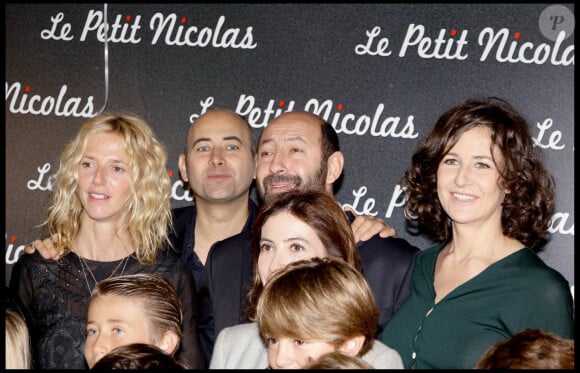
x,y
530,203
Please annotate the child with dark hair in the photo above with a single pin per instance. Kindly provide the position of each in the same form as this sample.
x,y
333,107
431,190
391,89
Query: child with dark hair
x,y
530,349
138,356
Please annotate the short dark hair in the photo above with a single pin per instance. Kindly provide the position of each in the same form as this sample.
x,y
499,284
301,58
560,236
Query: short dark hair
x,y
530,349
329,140
137,356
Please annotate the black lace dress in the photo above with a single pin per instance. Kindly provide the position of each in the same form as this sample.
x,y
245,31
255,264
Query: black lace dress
x,y
55,295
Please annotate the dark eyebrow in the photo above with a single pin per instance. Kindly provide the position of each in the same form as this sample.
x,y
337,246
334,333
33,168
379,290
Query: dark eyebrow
x,y
294,239
235,138
286,240
201,139
288,139
487,157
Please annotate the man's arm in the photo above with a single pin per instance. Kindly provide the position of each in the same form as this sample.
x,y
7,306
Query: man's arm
x,y
365,227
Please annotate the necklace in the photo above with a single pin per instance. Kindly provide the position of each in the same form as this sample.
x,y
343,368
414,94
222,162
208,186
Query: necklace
x,y
83,262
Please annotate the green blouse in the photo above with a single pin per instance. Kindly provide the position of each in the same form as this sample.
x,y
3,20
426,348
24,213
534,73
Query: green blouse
x,y
517,292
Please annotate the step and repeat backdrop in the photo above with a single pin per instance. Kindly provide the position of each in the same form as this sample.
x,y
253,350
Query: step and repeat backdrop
x,y
380,73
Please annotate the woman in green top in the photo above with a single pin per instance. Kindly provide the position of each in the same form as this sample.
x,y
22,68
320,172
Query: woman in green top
x,y
477,185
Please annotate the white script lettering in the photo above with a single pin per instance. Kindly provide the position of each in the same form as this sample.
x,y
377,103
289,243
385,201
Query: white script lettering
x,y
37,105
377,126
368,206
397,200
441,48
259,118
117,32
558,225
554,139
229,38
381,48
37,184
179,193
64,31
526,52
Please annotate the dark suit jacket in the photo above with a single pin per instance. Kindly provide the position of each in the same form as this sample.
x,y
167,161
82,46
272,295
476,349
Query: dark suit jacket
x,y
224,280
387,265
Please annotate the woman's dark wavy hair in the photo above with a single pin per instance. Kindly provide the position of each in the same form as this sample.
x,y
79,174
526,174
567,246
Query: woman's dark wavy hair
x,y
530,203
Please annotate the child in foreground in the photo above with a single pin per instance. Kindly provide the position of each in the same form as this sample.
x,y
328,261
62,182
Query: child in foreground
x,y
319,306
139,308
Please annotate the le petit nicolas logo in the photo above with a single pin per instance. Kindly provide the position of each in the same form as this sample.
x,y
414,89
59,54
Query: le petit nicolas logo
x,y
168,29
501,45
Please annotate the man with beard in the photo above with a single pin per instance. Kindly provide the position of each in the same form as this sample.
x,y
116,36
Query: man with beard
x,y
219,167
300,150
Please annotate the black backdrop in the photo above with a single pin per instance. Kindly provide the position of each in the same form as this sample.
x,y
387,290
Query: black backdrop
x,y
381,73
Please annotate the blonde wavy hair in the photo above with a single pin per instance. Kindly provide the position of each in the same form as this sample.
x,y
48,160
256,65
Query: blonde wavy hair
x,y
148,213
18,350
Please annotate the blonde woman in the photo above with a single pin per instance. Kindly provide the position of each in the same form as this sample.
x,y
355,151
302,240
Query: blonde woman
x,y
110,212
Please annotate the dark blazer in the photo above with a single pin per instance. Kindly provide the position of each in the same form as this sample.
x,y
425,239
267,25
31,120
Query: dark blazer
x,y
224,280
183,239
387,265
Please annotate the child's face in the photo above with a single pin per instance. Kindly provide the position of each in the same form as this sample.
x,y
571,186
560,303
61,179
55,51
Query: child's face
x,y
290,353
113,321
